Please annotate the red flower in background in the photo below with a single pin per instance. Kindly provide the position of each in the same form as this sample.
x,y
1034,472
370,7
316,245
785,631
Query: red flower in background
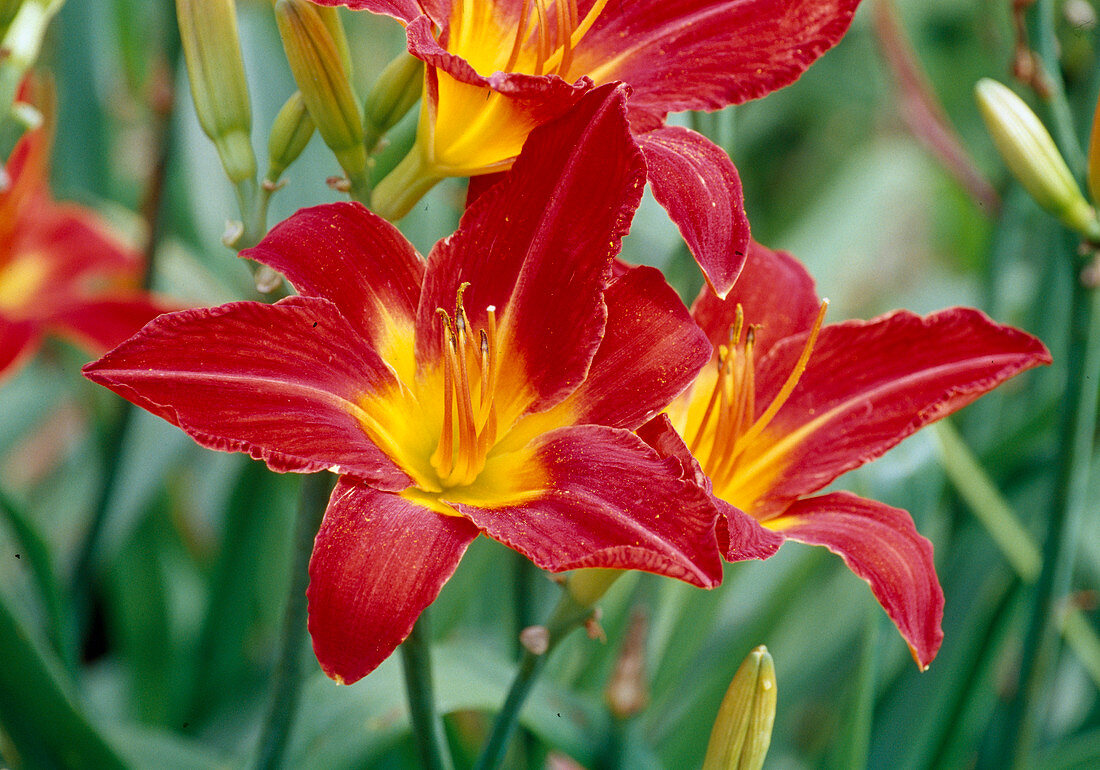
x,y
788,406
492,391
498,68
61,271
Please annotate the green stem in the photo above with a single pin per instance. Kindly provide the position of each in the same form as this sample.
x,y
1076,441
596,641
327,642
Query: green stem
x,y
1041,27
83,576
286,687
431,740
1078,427
568,615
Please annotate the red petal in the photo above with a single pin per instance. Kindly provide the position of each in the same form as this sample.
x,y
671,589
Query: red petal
x,y
774,290
18,342
103,324
378,561
351,257
706,54
538,247
611,502
276,381
481,184
402,10
650,352
869,384
881,545
699,187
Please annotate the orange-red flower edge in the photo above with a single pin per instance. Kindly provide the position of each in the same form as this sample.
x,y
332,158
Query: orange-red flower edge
x,y
492,390
786,406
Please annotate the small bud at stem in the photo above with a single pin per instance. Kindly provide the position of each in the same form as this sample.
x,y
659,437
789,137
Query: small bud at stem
x,y
1032,157
743,729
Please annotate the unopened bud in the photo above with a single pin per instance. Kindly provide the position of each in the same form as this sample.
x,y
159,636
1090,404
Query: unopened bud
x,y
331,17
742,732
212,50
323,81
395,92
24,27
587,586
290,133
1032,157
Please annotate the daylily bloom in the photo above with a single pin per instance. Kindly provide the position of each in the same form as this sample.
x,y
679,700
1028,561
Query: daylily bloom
x,y
787,406
61,271
497,68
492,390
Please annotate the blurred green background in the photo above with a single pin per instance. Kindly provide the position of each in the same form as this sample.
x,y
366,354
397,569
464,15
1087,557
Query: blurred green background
x,y
190,576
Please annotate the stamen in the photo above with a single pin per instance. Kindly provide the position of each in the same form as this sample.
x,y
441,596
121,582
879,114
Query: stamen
x,y
566,17
582,29
521,35
442,458
722,355
788,386
544,40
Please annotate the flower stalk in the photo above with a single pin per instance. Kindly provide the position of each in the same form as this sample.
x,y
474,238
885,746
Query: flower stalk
x,y
427,725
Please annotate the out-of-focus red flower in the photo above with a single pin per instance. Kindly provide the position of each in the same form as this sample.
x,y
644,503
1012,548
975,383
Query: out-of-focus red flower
x,y
61,271
787,406
492,390
498,68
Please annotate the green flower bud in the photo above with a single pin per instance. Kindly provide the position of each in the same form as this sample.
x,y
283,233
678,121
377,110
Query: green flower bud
x,y
331,17
1032,157
211,48
25,26
742,732
587,586
397,89
290,133
323,80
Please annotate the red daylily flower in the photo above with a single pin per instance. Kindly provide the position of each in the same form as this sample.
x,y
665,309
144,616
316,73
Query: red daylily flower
x,y
788,406
61,271
498,68
492,390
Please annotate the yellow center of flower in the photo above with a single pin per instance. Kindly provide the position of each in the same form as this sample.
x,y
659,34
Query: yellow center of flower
x,y
721,430
20,280
445,426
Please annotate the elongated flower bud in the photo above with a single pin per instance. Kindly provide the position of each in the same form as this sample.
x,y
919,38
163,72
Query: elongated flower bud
x,y
315,62
25,27
742,732
397,89
1032,157
290,133
211,48
331,17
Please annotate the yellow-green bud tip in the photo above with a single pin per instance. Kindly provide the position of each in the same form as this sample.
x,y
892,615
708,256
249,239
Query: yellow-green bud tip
x,y
587,586
322,78
1032,157
742,731
394,93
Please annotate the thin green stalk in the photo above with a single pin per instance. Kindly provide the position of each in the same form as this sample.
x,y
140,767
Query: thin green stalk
x,y
431,740
286,687
1078,427
568,615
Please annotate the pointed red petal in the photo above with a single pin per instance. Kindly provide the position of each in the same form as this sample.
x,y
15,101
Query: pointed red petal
x,y
881,545
705,54
351,257
277,381
538,247
650,352
102,324
870,384
378,561
775,292
610,502
699,187
18,341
